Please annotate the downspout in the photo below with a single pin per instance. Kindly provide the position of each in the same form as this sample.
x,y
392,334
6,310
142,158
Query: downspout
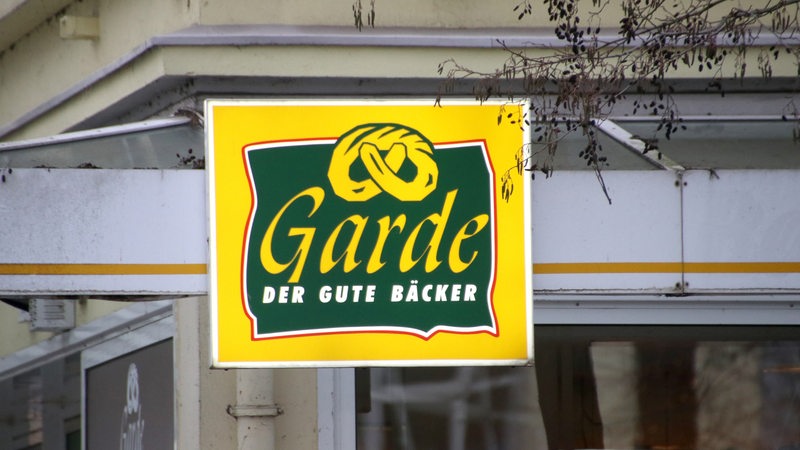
x,y
255,409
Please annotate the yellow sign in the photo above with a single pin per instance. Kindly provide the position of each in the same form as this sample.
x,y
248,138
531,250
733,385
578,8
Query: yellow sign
x,y
367,233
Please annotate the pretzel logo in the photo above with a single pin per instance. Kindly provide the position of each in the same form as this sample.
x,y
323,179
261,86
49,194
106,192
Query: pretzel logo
x,y
398,160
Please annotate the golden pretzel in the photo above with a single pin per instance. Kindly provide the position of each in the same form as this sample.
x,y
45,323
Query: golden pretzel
x,y
383,149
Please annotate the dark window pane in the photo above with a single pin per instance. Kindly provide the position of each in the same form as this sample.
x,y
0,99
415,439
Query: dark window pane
x,y
602,387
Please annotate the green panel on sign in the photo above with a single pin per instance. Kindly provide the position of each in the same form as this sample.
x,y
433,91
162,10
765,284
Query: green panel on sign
x,y
316,262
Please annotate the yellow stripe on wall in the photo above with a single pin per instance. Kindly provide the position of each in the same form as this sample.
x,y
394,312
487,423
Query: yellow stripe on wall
x,y
103,269
748,267
666,267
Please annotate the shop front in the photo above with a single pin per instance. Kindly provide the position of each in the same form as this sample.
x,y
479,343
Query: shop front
x,y
663,319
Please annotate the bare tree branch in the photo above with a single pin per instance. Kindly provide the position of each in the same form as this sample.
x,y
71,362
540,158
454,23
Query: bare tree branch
x,y
578,82
581,80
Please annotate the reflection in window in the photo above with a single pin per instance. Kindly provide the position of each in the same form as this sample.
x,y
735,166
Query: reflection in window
x,y
602,387
464,407
42,406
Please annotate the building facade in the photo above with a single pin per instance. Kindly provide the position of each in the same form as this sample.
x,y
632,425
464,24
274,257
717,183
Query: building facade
x,y
666,318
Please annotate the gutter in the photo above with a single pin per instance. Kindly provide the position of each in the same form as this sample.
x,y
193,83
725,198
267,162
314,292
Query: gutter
x,y
319,36
280,35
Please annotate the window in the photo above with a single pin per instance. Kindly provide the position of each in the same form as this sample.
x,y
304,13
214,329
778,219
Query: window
x,y
665,387
42,404
44,387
